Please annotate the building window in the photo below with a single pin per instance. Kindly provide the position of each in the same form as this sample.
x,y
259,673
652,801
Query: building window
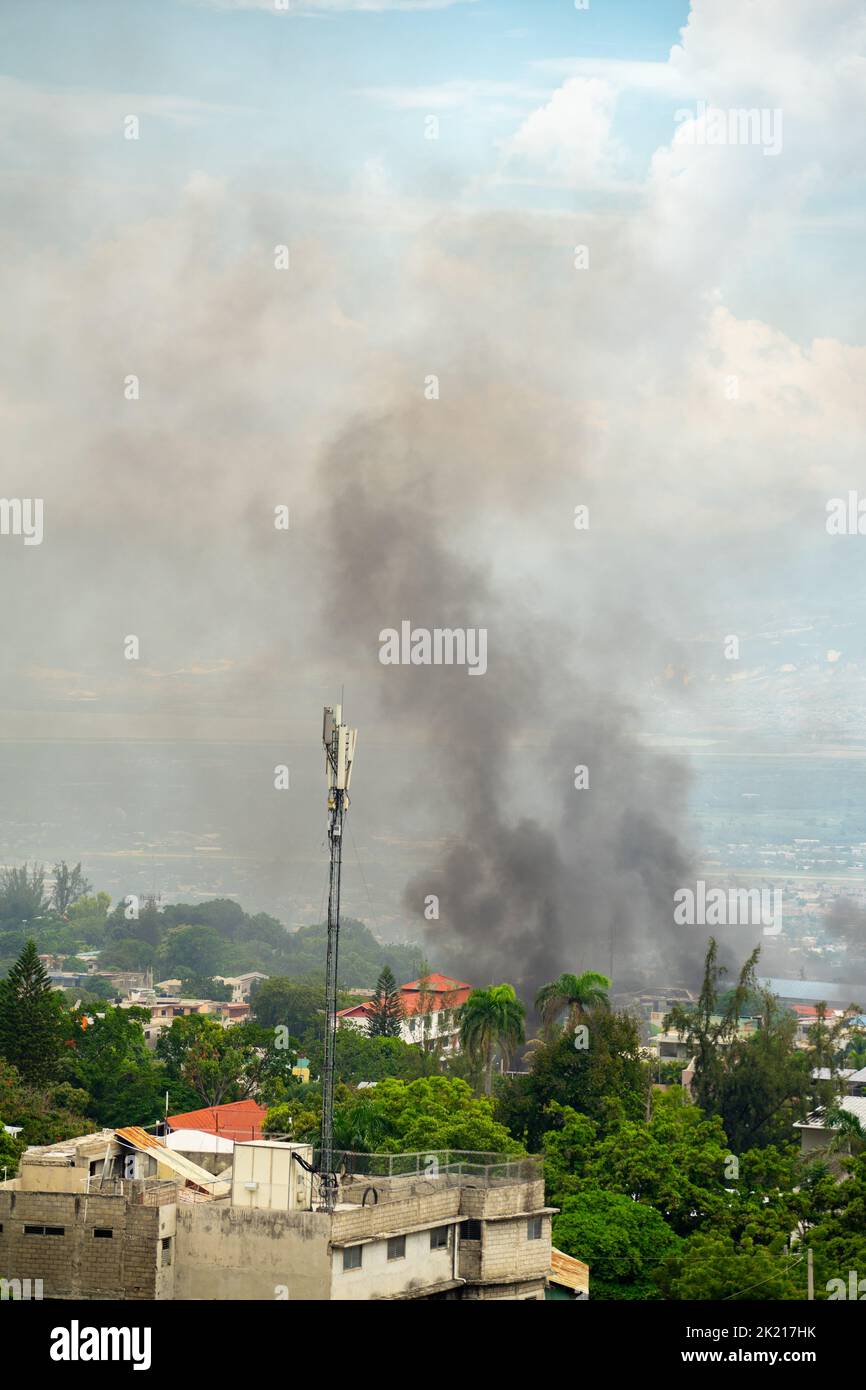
x,y
533,1228
470,1230
397,1248
353,1256
45,1230
102,1233
166,1250
439,1238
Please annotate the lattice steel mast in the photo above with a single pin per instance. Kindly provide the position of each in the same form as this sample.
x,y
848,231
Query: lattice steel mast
x,y
339,744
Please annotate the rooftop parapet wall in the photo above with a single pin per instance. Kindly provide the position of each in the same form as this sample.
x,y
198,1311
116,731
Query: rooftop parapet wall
x,y
431,1188
52,1236
430,1203
484,1203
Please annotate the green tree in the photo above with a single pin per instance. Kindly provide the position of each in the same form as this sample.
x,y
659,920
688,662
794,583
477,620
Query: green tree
x,y
110,1061
586,1078
572,995
759,1084
89,914
12,1147
191,950
855,1051
676,1162
436,1112
712,1266
299,1116
623,1242
386,1008
224,1064
46,1113
148,925
128,954
838,1237
198,1051
22,894
69,885
291,1004
360,1058
491,1021
31,1019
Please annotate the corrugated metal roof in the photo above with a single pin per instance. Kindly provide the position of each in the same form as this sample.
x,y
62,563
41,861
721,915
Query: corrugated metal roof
x,y
176,1163
568,1272
855,1105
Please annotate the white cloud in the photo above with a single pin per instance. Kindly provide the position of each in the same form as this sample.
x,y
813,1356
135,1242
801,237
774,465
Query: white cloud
x,y
568,139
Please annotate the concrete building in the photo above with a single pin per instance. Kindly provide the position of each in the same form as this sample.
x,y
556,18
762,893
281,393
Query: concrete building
x,y
242,985
118,1215
430,1012
163,1012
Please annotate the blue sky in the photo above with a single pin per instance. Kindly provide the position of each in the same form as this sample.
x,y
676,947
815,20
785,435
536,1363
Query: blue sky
x,y
290,85
229,90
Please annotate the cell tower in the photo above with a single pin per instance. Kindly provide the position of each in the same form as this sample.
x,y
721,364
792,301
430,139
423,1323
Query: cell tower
x,y
339,744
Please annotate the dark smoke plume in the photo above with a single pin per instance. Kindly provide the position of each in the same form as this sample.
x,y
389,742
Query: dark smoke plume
x,y
586,882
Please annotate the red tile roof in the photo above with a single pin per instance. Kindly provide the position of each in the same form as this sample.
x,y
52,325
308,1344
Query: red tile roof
x,y
356,1011
240,1119
440,992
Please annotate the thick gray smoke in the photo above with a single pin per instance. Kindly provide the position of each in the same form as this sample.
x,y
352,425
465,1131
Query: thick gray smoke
x,y
587,880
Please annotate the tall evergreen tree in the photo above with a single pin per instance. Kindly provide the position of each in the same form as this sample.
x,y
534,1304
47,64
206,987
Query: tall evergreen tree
x,y
31,1023
386,1007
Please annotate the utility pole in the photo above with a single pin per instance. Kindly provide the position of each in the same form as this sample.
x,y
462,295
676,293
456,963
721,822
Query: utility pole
x,y
810,1276
339,743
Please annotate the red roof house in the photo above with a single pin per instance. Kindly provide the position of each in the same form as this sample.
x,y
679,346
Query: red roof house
x,y
427,997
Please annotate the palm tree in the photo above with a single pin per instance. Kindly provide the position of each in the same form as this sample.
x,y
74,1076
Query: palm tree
x,y
491,1020
577,995
850,1136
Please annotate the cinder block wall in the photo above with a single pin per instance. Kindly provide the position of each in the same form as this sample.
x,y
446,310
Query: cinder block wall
x,y
79,1264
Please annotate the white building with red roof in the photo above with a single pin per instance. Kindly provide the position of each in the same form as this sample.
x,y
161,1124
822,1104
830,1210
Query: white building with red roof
x,y
431,1012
